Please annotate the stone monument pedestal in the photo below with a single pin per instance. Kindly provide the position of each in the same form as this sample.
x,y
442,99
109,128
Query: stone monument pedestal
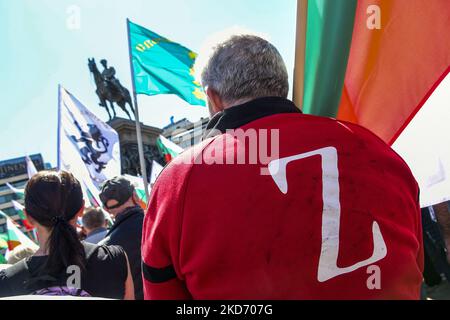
x,y
129,149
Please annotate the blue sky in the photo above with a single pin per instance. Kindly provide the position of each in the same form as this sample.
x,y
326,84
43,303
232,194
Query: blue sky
x,y
38,51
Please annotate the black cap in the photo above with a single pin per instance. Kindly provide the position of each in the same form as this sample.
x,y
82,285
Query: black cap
x,y
118,188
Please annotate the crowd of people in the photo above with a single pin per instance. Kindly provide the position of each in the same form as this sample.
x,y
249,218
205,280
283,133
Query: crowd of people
x,y
334,203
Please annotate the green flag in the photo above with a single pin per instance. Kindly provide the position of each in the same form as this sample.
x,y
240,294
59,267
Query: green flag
x,y
329,29
3,248
162,66
12,235
168,149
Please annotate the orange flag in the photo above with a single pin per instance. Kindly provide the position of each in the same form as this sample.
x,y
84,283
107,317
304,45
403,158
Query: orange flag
x,y
400,52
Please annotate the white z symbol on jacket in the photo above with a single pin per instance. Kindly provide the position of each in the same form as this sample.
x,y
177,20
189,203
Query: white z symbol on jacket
x,y
331,213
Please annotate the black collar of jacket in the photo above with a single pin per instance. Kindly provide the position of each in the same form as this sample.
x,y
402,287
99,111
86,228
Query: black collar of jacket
x,y
242,114
121,217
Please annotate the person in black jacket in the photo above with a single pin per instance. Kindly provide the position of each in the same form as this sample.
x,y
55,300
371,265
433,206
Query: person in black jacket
x,y
53,202
120,200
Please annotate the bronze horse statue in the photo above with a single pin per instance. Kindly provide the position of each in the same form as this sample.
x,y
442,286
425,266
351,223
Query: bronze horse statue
x,y
110,90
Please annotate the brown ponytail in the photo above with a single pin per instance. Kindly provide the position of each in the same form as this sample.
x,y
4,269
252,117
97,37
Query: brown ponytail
x,y
53,199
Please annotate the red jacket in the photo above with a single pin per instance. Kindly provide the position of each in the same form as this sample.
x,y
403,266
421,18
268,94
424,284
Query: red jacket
x,y
338,219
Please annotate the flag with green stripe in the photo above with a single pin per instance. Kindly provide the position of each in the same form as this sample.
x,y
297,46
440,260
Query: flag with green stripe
x,y
329,29
20,193
168,149
12,235
20,209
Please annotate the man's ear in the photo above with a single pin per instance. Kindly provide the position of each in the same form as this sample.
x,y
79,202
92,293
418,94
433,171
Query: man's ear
x,y
215,103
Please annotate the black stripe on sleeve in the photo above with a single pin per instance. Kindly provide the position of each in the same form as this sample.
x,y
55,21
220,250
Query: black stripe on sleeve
x,y
156,275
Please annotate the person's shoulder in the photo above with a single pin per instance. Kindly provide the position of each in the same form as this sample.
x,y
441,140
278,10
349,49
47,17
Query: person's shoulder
x,y
4,283
111,251
129,224
11,279
138,213
316,122
326,122
3,276
189,156
365,134
329,127
109,254
372,143
96,237
107,261
14,270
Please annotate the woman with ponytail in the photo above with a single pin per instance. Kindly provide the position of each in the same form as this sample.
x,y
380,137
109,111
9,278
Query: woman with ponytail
x,y
63,265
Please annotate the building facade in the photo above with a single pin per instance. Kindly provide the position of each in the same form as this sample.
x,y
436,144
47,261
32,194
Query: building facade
x,y
185,133
129,154
14,172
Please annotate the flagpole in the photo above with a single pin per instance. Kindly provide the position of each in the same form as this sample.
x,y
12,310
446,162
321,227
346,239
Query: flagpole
x,y
58,138
300,46
136,116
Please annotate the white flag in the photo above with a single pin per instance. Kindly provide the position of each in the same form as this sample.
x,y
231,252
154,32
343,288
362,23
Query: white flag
x,y
31,169
156,170
13,233
424,145
88,147
17,206
137,182
19,192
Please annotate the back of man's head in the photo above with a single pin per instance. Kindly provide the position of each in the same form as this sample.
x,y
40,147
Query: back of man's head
x,y
244,68
117,194
93,218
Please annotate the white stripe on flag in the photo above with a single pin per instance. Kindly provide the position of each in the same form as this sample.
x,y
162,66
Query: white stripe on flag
x,y
424,145
31,169
156,170
15,190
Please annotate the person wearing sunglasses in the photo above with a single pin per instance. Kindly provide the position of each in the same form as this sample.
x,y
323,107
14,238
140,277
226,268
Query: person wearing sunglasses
x,y
119,199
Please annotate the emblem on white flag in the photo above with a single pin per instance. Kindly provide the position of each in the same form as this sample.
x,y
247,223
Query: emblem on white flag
x,y
87,145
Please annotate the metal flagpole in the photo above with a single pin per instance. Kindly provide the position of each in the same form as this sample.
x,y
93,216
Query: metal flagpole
x,y
136,116
300,45
58,136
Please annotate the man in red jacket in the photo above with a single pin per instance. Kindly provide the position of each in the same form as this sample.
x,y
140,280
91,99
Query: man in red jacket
x,y
331,213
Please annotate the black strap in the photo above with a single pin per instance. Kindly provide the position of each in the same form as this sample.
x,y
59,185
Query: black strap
x,y
158,275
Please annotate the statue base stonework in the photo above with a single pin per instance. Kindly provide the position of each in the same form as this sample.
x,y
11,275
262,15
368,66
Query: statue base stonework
x,y
129,148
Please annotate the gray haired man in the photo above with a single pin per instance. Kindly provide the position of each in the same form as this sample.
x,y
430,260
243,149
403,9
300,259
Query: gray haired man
x,y
335,211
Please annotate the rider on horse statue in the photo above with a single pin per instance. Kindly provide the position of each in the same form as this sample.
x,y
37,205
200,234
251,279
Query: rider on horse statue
x,y
109,90
108,75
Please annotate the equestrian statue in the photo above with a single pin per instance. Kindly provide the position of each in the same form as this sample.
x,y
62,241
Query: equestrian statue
x,y
109,89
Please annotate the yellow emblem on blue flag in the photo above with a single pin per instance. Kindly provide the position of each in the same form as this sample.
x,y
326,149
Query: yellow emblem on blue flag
x,y
162,66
